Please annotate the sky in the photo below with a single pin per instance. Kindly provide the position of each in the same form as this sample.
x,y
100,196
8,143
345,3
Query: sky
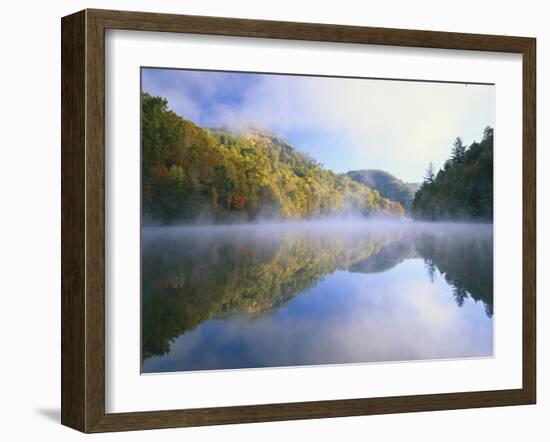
x,y
343,123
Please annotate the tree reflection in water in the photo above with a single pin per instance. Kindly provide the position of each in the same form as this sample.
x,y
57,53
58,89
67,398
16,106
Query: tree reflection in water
x,y
192,274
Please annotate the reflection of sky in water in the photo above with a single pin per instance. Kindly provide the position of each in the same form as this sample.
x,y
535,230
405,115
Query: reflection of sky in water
x,y
346,318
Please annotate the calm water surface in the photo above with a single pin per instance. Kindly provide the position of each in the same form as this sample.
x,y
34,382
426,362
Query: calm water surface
x,y
268,295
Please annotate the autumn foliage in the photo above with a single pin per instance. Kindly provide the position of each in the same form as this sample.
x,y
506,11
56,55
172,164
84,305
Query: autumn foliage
x,y
189,172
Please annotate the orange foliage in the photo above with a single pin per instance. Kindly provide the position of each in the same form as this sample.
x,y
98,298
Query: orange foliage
x,y
238,201
160,171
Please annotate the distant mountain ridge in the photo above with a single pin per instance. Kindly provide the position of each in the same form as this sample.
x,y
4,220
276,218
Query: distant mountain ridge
x,y
387,185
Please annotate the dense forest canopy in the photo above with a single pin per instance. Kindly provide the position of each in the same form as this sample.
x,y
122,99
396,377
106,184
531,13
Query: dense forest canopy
x,y
387,185
189,172
463,188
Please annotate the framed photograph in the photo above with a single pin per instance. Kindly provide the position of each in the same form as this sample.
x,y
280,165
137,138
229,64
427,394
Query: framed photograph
x,y
269,220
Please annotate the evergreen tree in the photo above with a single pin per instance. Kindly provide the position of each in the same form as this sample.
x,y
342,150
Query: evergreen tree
x,y
487,133
458,151
463,189
430,175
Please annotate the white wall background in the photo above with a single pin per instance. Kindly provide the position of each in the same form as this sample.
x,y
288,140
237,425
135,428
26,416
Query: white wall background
x,y
30,217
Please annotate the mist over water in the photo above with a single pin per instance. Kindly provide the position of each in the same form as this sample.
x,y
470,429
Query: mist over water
x,y
326,291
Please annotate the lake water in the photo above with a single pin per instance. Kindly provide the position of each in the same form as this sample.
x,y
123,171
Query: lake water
x,y
273,295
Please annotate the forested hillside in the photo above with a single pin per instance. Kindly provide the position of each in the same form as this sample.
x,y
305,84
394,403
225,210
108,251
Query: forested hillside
x,y
387,185
189,173
463,188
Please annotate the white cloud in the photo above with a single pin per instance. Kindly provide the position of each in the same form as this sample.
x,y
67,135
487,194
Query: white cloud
x,y
398,126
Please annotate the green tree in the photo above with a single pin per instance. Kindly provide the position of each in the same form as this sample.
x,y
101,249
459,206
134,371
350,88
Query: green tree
x,y
463,189
458,152
429,177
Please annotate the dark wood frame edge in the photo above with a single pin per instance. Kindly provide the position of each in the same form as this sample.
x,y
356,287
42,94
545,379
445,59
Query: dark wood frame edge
x,y
83,217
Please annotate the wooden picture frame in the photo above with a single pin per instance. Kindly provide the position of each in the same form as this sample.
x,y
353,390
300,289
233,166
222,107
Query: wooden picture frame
x,y
83,220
